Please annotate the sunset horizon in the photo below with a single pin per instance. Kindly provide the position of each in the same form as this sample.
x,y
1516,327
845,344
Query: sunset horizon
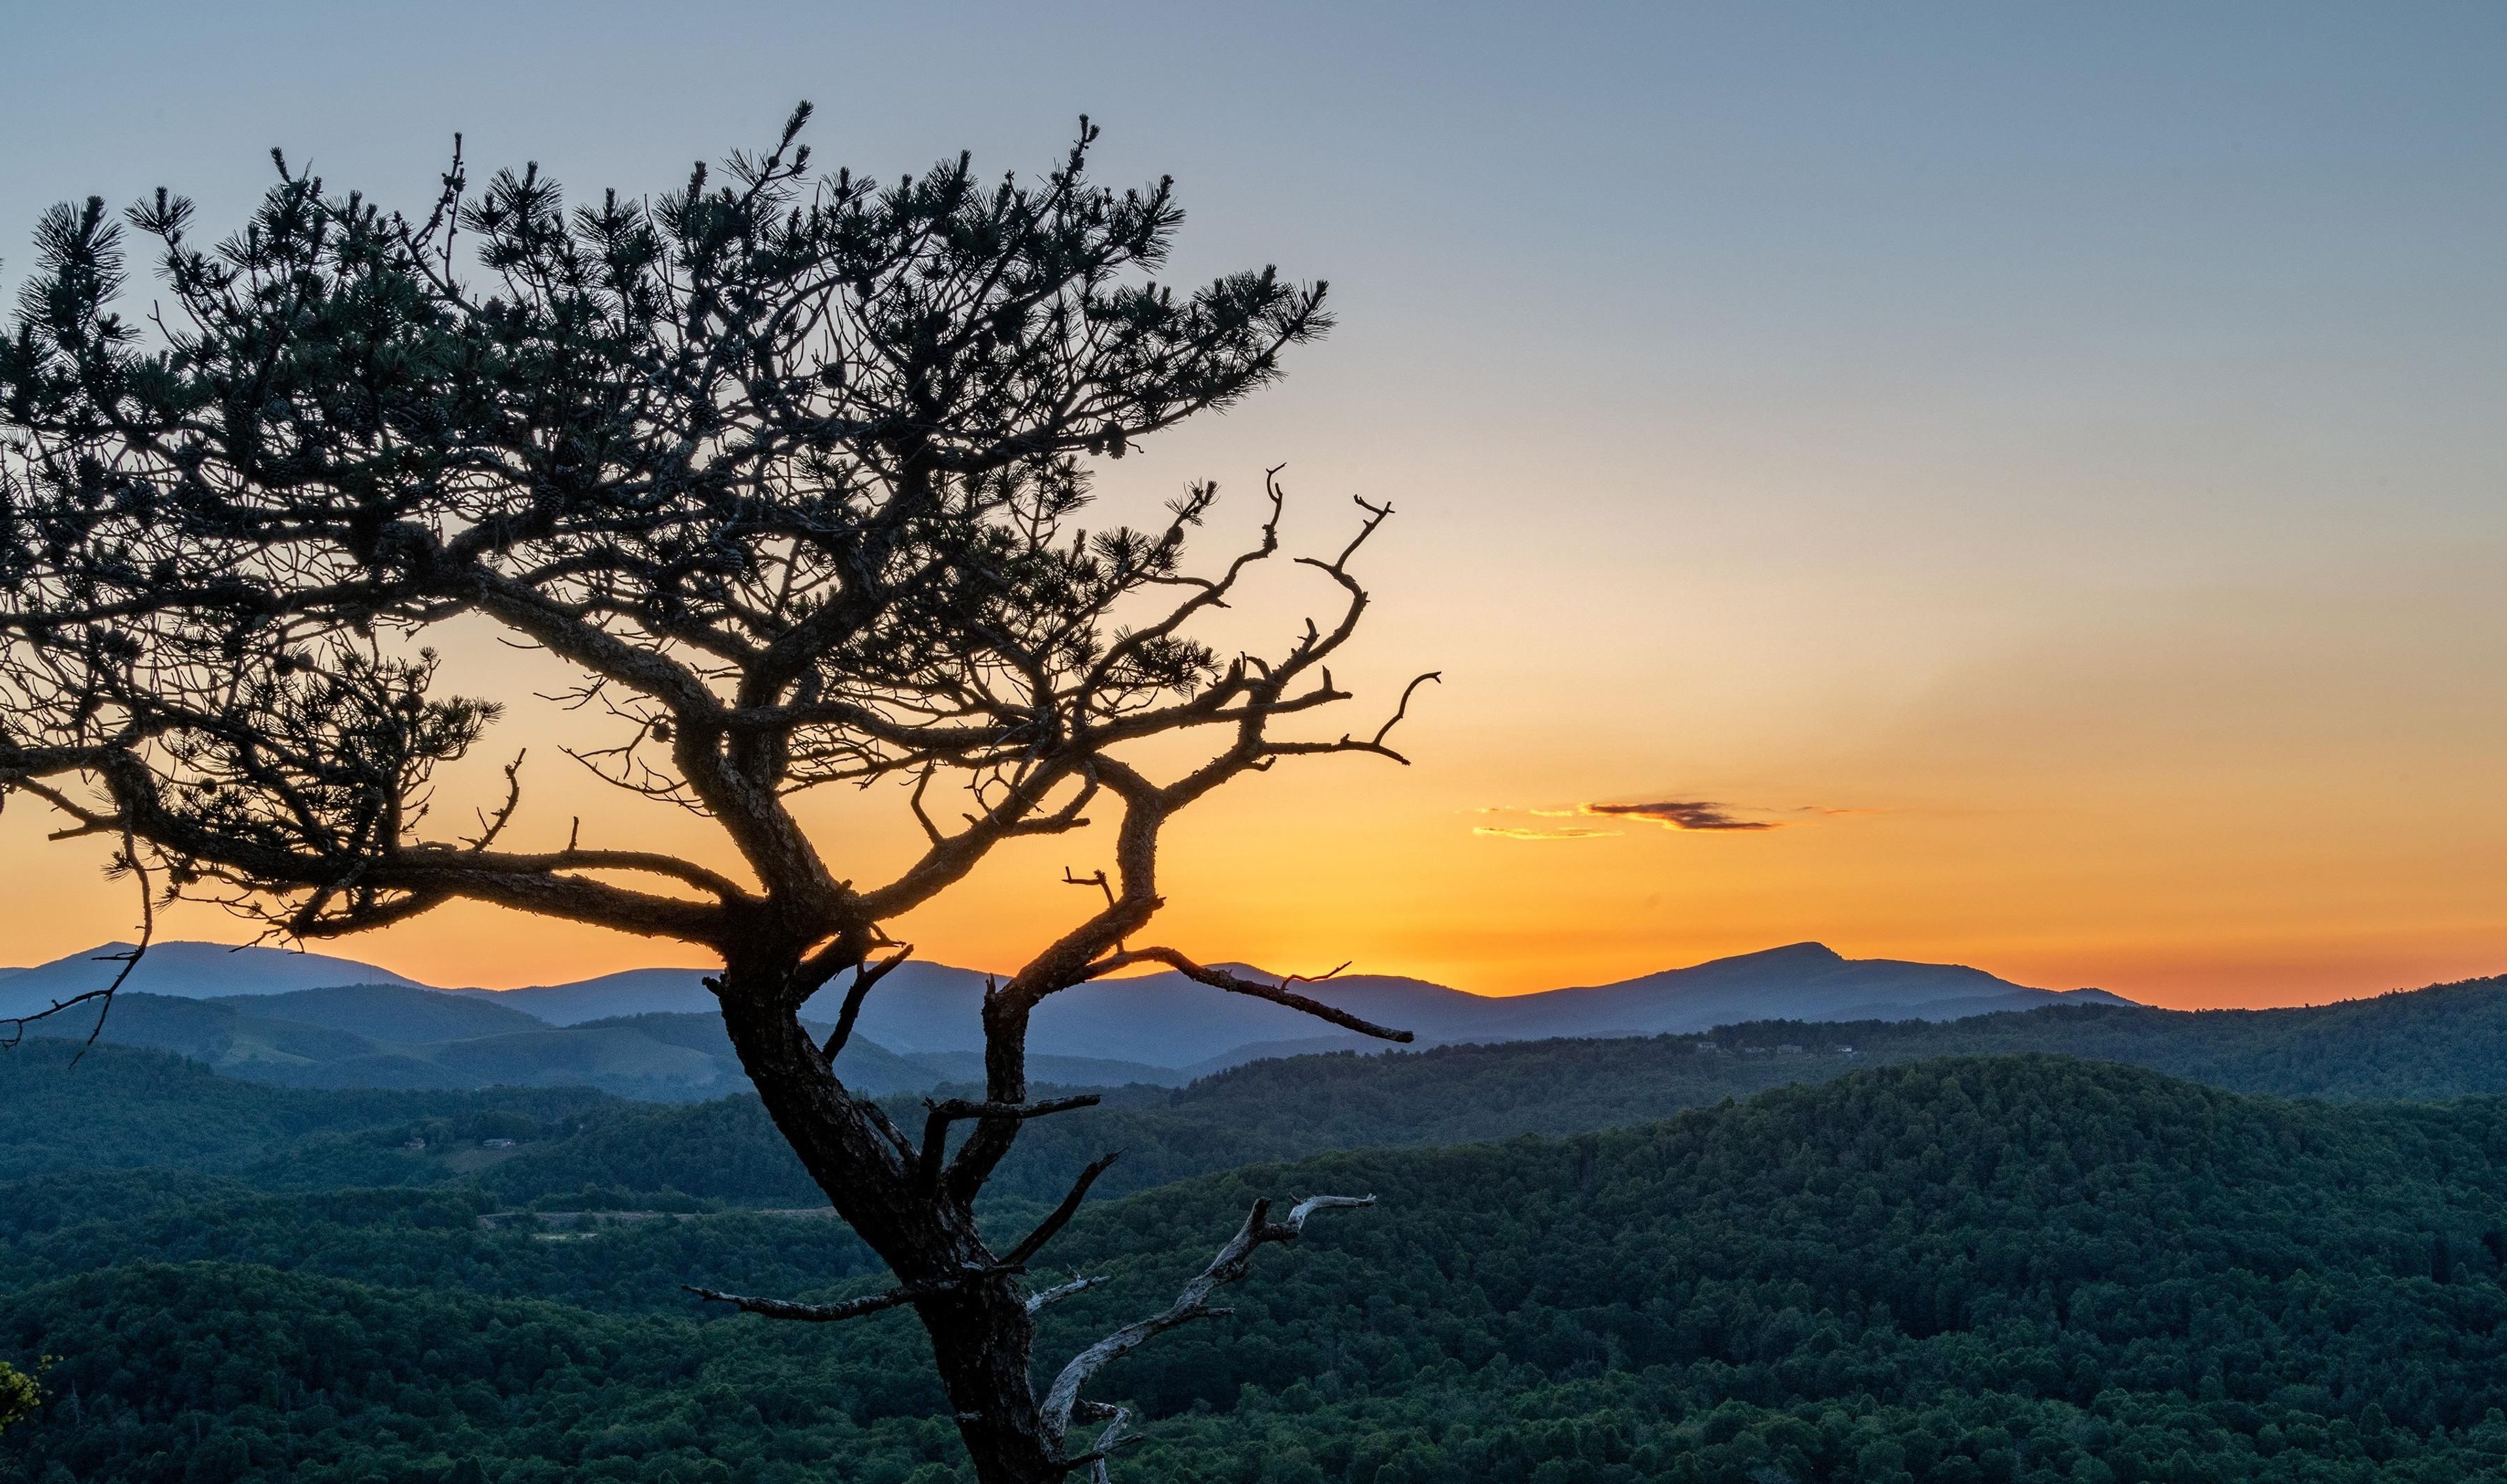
x,y
845,743
1974,490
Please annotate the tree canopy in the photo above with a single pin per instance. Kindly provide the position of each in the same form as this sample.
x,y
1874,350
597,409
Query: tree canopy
x,y
788,467
2009,1268
19,1395
784,465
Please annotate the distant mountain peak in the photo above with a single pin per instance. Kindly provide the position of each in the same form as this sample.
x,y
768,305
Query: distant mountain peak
x,y
117,948
1791,954
187,970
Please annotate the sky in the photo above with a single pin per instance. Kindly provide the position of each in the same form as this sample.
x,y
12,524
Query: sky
x,y
2040,465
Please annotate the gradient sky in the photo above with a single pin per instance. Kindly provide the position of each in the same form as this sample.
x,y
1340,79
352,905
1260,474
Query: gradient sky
x,y
2047,465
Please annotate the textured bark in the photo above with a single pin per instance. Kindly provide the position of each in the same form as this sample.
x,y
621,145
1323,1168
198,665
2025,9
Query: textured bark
x,y
984,1342
983,1336
917,1211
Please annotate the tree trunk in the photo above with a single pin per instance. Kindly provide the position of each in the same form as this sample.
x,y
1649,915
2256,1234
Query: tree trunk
x,y
982,1337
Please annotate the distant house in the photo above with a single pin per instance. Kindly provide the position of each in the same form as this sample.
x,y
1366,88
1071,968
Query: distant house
x,y
495,1143
415,1143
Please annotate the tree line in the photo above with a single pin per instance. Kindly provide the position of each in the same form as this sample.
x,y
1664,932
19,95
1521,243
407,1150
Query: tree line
x,y
2019,1268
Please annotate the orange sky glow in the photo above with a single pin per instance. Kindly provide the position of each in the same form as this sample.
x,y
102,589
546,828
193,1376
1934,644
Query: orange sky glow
x,y
2141,807
2043,471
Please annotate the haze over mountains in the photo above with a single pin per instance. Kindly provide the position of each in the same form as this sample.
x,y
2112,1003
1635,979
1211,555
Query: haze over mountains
x,y
311,1018
1948,1208
191,970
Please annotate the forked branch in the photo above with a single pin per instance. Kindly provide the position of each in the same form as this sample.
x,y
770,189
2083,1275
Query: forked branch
x,y
865,978
128,960
1236,984
939,1115
1234,1263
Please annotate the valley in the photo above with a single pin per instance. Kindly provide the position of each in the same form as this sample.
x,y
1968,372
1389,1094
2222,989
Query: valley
x,y
2002,1246
1964,1268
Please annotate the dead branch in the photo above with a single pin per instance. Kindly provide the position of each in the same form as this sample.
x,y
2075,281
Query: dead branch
x,y
1403,710
865,977
1220,979
1060,1291
490,826
1234,1263
1098,881
939,1115
848,1309
103,999
877,1117
1059,1216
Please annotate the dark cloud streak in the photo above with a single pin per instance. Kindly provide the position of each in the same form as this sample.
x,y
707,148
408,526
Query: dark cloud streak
x,y
1681,816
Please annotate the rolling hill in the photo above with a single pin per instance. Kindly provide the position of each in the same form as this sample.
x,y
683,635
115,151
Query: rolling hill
x,y
125,1108
399,1036
1167,1020
186,971
635,992
1158,1020
2015,1268
2449,1041
395,1013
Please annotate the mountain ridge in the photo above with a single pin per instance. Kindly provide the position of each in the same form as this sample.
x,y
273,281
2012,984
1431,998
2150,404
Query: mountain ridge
x,y
391,1037
1159,1019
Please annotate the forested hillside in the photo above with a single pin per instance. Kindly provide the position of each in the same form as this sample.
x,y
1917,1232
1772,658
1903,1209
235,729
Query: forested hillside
x,y
397,1037
120,1108
2443,1042
2018,1267
124,1108
2013,1268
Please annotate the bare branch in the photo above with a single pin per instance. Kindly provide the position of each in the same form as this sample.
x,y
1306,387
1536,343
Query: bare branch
x,y
865,978
1234,1263
1114,1437
1097,880
1278,994
489,827
1059,1216
828,1313
935,1125
1060,1291
103,999
878,1118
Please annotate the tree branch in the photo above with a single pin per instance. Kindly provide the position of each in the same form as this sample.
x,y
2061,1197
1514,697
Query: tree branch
x,y
1278,994
103,999
865,977
1234,1263
1060,1291
1059,1216
850,1309
935,1125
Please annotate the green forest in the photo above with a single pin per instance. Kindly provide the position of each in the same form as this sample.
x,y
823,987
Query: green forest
x,y
1947,1255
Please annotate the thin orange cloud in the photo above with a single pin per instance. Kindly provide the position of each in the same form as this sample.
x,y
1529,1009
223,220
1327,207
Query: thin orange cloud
x,y
1505,832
